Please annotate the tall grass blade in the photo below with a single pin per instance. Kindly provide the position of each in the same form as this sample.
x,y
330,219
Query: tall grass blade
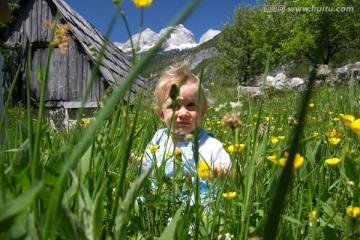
x,y
170,231
127,205
286,176
19,204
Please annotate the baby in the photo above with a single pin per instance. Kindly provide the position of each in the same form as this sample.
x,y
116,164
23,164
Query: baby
x,y
176,99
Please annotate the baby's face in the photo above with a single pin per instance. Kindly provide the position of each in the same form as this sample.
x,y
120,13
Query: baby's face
x,y
185,117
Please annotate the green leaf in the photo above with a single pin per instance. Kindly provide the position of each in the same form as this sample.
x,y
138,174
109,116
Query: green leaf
x,y
21,158
40,73
126,206
351,170
98,212
19,204
170,230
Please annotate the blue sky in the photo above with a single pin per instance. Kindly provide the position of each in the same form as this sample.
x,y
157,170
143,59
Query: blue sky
x,y
210,14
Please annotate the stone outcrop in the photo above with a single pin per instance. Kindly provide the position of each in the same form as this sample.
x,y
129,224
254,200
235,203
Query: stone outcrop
x,y
324,75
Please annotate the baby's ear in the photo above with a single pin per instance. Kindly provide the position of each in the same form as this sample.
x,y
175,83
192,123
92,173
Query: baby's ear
x,y
203,111
160,113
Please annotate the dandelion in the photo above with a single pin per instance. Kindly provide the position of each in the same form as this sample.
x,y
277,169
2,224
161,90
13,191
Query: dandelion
x,y
292,121
334,141
311,104
236,148
351,122
61,37
298,161
274,140
231,120
177,152
312,215
272,158
142,3
84,121
348,119
203,170
352,211
229,195
333,161
154,148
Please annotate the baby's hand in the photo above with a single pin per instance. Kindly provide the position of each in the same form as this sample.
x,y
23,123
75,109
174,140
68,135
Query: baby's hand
x,y
220,170
137,159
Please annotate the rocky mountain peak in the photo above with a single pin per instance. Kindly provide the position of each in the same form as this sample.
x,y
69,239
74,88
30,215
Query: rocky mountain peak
x,y
180,38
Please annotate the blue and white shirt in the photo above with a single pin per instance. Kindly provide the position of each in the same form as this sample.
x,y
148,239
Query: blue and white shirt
x,y
210,150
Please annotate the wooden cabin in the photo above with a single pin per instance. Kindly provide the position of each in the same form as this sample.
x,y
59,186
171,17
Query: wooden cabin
x,y
69,74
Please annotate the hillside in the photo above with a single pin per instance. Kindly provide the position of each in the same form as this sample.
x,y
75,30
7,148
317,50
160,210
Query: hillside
x,y
198,57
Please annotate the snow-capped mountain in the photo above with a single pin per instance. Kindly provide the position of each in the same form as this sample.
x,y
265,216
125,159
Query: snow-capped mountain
x,y
209,35
180,38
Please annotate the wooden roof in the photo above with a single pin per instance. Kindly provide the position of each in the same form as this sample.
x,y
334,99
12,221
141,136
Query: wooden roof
x,y
115,64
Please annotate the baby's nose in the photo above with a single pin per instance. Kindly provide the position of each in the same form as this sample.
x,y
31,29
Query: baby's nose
x,y
182,112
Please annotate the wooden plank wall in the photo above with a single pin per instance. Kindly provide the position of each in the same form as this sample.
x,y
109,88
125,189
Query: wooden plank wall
x,y
69,74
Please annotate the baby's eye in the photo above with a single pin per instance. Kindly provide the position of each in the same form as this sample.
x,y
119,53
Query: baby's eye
x,y
191,105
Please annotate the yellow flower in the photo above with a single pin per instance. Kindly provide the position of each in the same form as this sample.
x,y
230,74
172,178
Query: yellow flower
x,y
352,211
177,152
312,215
355,126
203,170
334,140
348,119
153,148
311,104
272,158
331,134
84,121
229,195
142,3
332,161
236,148
274,140
281,137
298,161
351,122
316,134
282,162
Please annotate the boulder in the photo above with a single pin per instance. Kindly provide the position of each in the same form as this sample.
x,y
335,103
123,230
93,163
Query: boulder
x,y
323,71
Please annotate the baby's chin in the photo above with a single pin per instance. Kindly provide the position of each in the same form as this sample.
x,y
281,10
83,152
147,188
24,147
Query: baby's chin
x,y
183,131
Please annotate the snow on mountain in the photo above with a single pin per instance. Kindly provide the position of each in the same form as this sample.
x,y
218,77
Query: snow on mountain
x,y
148,39
180,38
208,35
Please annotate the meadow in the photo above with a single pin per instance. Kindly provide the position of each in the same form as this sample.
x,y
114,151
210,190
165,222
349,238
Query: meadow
x,y
88,187
294,175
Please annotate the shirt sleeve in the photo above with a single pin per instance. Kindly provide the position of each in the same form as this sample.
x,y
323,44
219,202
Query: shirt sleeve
x,y
148,155
214,153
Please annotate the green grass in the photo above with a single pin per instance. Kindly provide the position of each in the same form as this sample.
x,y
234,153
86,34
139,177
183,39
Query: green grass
x,y
85,183
99,192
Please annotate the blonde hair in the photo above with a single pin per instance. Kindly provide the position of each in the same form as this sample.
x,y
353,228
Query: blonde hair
x,y
176,74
